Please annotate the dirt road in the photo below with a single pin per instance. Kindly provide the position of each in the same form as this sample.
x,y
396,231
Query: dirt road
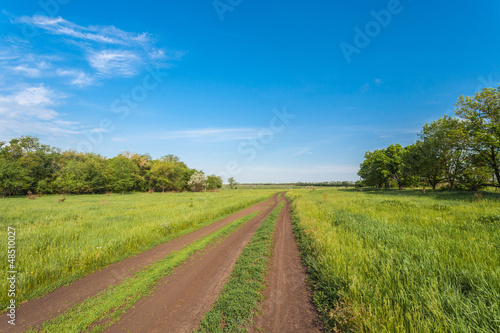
x,y
182,298
287,306
37,311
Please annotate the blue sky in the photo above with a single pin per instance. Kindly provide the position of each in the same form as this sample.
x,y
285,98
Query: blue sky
x,y
265,92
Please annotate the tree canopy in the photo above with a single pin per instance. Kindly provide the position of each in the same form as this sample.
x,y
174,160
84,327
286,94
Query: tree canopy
x,y
461,151
26,165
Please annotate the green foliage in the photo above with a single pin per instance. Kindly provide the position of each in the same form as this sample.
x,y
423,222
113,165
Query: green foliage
x,y
214,182
26,165
232,182
463,151
481,126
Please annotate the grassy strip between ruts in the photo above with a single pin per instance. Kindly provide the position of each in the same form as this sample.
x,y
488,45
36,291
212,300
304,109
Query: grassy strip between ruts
x,y
100,311
241,295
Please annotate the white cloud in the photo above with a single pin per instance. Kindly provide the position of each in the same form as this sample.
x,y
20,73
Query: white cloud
x,y
77,77
110,51
30,111
32,72
95,33
115,62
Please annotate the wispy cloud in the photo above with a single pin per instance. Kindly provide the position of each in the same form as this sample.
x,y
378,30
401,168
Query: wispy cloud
x,y
109,51
115,63
77,77
28,71
96,33
303,151
29,110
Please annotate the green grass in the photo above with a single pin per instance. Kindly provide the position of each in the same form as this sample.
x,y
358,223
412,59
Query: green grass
x,y
241,295
100,311
402,261
59,242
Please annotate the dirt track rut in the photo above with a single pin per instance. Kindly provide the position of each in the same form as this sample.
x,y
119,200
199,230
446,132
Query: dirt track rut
x,y
287,306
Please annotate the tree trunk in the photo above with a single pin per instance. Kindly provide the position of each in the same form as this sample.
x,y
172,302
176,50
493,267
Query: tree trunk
x,y
497,174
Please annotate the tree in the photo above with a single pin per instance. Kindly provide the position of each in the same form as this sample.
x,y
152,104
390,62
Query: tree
x,y
232,182
160,175
481,127
13,178
422,161
445,135
197,182
122,174
373,170
214,182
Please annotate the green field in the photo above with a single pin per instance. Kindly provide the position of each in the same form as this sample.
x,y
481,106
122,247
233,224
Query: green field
x,y
58,242
402,261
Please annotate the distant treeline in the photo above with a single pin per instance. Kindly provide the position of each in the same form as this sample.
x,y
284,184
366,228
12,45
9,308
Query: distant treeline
x,y
461,152
27,166
332,183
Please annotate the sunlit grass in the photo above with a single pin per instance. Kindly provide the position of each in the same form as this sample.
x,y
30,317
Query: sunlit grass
x,y
58,242
402,261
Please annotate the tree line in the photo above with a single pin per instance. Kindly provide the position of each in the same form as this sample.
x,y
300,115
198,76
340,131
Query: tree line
x,y
459,152
341,183
27,166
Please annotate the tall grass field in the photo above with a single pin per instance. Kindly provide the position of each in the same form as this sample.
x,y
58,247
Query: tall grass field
x,y
402,261
60,241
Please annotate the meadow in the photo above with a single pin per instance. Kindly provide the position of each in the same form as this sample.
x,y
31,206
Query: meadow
x,y
60,241
401,261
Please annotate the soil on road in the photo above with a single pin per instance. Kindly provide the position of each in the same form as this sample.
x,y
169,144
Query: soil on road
x,y
287,305
182,298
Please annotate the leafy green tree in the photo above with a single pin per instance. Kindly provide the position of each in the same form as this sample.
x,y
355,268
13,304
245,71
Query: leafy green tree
x,y
39,161
122,174
480,115
144,163
422,161
160,176
475,175
445,135
214,182
232,182
374,170
14,179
